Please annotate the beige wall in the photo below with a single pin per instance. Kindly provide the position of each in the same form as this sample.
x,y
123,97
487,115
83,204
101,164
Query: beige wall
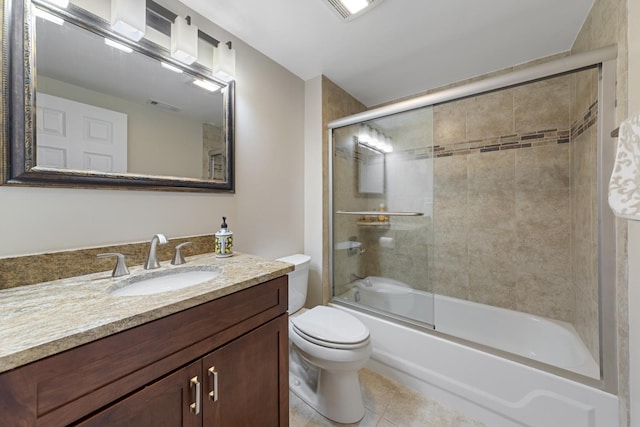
x,y
313,153
269,158
265,213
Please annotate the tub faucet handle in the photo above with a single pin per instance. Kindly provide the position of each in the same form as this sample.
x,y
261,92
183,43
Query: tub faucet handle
x,y
121,266
178,258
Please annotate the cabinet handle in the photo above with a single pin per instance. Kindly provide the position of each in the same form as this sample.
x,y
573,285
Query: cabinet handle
x,y
213,394
195,407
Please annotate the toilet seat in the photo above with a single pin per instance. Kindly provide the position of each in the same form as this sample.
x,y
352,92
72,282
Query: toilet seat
x,y
332,328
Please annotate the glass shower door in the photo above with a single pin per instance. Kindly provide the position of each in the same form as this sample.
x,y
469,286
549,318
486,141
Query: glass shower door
x,y
382,200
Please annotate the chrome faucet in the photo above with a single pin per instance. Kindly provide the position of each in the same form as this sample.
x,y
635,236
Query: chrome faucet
x,y
152,261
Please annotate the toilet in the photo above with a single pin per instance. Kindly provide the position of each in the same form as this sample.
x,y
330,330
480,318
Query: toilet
x,y
327,347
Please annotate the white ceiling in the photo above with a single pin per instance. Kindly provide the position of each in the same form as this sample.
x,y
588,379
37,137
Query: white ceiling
x,y
401,47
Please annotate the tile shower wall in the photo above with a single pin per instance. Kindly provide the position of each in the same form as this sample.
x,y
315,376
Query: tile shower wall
x,y
509,194
502,216
510,200
584,209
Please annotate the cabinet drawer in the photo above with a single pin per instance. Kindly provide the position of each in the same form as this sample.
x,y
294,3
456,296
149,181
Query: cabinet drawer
x,y
79,381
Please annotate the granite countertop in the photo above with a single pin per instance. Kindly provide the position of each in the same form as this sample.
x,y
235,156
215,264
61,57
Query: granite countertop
x,y
40,320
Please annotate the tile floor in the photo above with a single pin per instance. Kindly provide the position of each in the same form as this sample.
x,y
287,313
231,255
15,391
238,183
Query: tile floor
x,y
387,403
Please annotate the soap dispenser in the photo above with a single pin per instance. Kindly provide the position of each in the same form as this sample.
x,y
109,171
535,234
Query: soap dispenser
x,y
223,241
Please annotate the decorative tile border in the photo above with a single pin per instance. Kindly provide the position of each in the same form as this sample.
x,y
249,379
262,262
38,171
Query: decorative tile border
x,y
588,119
505,142
514,141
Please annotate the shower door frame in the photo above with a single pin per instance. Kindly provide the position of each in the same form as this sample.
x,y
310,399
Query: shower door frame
x,y
605,59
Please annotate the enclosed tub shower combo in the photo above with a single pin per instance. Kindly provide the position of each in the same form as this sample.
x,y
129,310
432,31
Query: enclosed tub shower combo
x,y
470,234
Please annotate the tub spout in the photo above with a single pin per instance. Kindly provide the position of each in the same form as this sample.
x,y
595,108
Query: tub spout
x,y
353,277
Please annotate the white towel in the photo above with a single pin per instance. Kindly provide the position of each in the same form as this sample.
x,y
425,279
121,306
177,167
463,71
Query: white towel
x,y
624,186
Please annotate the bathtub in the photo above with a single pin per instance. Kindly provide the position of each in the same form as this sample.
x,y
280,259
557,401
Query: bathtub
x,y
492,389
549,341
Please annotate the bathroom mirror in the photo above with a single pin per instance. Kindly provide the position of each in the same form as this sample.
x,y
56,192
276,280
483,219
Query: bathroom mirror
x,y
83,113
370,170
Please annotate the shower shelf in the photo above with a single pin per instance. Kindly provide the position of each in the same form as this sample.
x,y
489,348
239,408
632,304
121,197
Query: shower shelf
x,y
373,223
376,213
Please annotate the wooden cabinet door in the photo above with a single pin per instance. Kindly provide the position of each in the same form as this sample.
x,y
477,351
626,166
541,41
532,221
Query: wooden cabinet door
x,y
252,379
165,403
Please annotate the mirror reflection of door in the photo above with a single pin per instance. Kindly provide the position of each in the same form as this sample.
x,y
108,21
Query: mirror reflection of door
x,y
74,135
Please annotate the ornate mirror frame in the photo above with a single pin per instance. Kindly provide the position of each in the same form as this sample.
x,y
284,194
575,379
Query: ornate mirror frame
x,y
17,112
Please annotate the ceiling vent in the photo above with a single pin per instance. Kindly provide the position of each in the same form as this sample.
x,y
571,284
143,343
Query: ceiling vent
x,y
348,10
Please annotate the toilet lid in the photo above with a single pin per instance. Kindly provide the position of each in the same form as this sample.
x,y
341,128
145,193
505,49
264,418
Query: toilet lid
x,y
330,325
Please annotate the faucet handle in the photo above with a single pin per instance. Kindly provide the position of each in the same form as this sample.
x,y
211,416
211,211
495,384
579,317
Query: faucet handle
x,y
121,266
177,255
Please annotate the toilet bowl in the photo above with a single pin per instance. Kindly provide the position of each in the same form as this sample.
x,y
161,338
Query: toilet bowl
x,y
327,347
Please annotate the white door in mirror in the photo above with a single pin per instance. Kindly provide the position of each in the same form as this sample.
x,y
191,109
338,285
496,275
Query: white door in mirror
x,y
73,135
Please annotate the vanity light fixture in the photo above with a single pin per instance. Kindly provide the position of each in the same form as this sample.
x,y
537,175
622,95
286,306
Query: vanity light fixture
x,y
129,17
171,67
49,17
224,62
184,40
374,139
117,45
206,84
60,3
377,140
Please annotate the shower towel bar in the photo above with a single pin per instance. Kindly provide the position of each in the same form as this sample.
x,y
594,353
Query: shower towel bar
x,y
385,213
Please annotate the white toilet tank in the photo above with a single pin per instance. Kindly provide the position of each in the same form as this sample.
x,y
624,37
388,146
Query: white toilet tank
x,y
298,280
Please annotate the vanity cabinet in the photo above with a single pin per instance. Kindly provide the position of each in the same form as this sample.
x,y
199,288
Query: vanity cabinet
x,y
222,363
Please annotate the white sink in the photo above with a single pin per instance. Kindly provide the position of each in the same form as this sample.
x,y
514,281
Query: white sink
x,y
156,282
